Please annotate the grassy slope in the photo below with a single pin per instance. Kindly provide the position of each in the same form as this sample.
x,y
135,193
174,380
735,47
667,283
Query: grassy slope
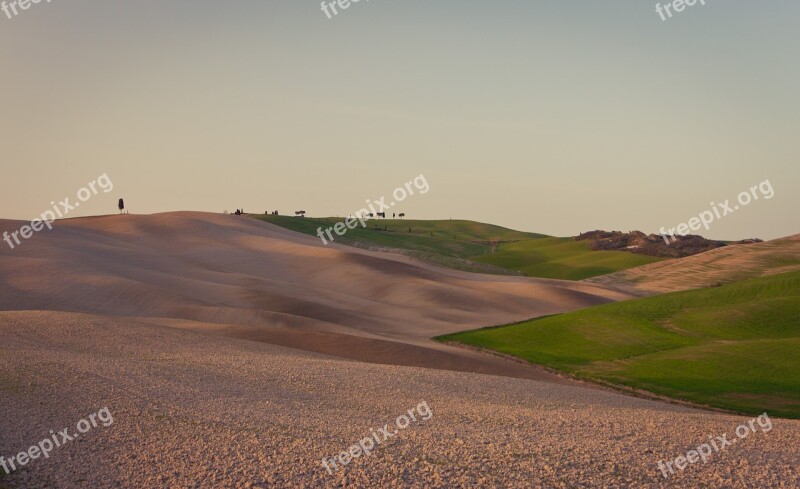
x,y
736,347
562,258
448,243
474,246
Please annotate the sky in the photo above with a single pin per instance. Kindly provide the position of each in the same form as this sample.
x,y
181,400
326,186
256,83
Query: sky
x,y
557,116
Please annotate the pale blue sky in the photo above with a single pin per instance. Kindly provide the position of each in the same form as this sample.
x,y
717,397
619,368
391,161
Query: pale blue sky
x,y
550,116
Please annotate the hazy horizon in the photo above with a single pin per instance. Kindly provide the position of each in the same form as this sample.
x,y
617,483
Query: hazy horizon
x,y
548,117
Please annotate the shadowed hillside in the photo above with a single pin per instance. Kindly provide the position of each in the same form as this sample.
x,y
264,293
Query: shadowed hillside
x,y
245,278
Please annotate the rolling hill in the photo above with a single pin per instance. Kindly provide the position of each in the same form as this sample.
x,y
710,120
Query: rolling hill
x,y
477,247
719,266
562,258
733,347
244,278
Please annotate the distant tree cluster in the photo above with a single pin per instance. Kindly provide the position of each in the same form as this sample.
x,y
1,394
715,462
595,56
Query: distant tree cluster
x,y
653,244
302,213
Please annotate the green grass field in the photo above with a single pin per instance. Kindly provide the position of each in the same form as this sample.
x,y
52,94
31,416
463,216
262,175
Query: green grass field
x,y
477,247
562,258
735,347
447,243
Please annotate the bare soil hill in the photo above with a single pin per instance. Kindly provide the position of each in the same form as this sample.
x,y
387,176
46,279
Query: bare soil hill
x,y
249,279
712,268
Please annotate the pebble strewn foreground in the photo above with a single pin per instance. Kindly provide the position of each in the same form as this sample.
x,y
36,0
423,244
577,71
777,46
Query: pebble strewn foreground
x,y
195,410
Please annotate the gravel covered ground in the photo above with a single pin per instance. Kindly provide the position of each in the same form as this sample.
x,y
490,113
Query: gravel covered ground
x,y
196,410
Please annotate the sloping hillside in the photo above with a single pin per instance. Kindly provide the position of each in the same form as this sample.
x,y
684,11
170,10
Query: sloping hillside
x,y
562,258
477,247
734,347
245,278
715,267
